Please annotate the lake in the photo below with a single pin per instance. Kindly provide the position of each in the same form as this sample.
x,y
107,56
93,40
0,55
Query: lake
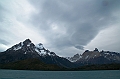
x,y
24,74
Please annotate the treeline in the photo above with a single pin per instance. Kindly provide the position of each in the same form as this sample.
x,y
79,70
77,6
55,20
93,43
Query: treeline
x,y
114,66
36,64
29,64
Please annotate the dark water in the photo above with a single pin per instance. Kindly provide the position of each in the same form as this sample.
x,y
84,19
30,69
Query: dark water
x,y
21,74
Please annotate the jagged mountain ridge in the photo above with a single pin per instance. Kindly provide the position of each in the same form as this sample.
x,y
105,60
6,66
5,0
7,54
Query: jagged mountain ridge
x,y
27,46
26,50
74,58
95,57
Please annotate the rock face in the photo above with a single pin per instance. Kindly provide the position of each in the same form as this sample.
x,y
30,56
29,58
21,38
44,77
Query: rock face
x,y
96,49
96,57
27,50
74,58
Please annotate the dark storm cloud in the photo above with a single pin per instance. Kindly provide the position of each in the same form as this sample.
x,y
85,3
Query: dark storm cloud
x,y
82,19
79,47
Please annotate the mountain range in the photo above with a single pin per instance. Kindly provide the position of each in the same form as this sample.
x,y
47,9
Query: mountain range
x,y
95,57
26,55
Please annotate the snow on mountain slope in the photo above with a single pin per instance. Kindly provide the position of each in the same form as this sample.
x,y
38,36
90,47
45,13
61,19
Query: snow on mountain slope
x,y
95,56
27,50
74,58
28,46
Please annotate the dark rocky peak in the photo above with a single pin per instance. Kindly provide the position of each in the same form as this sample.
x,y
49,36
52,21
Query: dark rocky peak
x,y
27,42
102,51
76,55
40,44
96,49
22,45
86,50
74,58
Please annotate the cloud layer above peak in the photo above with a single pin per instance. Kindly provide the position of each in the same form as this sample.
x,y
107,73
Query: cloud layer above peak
x,y
64,26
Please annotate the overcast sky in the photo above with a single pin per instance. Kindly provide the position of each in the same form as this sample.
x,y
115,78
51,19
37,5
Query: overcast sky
x,y
66,27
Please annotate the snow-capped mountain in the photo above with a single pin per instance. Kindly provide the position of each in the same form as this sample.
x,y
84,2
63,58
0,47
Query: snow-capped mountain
x,y
27,50
97,57
106,54
74,58
27,46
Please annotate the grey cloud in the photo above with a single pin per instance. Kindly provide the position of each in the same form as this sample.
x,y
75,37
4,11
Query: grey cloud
x,y
83,34
2,41
82,19
79,47
65,25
